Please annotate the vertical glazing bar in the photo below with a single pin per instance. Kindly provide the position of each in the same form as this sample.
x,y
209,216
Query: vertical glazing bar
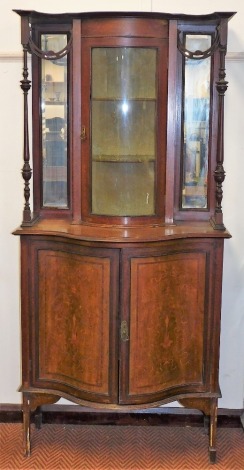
x,y
171,129
76,128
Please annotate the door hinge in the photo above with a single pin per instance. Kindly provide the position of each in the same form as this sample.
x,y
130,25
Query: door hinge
x,y
83,133
124,335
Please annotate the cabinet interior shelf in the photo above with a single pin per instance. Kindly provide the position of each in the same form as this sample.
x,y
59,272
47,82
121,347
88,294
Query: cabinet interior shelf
x,y
123,158
54,82
55,102
122,99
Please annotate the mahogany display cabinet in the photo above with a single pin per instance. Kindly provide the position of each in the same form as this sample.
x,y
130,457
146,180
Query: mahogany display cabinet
x,y
122,251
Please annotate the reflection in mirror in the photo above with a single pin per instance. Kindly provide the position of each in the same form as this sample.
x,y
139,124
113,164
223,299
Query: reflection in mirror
x,y
196,102
54,123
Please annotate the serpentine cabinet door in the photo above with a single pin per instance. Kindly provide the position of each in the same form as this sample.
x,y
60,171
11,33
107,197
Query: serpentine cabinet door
x,y
171,298
74,328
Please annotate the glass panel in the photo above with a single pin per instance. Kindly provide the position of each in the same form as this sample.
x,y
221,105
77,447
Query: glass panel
x,y
196,125
123,131
54,123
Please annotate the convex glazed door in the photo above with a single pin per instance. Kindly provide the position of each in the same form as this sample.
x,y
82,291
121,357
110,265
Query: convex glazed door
x,y
123,131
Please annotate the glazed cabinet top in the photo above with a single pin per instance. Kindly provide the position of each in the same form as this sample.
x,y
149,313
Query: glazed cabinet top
x,y
127,115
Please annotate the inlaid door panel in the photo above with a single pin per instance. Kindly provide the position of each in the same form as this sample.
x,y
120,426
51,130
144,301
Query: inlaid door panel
x,y
76,308
166,310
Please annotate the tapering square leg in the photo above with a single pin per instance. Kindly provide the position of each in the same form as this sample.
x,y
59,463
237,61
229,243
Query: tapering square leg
x,y
26,424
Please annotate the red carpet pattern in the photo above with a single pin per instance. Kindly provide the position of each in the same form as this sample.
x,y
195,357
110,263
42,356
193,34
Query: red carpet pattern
x,y
91,447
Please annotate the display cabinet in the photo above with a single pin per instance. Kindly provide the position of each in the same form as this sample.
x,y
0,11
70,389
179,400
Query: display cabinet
x,y
122,251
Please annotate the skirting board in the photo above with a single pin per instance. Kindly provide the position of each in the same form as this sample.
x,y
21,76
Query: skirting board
x,y
73,414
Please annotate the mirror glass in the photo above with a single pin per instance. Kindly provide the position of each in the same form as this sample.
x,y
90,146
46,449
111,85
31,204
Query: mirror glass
x,y
196,105
54,123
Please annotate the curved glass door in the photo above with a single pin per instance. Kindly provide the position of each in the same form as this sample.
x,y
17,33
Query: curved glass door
x,y
123,139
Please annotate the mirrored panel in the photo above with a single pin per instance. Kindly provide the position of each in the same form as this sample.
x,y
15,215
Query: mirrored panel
x,y
54,123
196,105
123,131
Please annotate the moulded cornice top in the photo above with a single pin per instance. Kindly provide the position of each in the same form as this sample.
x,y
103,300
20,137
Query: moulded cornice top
x,y
36,15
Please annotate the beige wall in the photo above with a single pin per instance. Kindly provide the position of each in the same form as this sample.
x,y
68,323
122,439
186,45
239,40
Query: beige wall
x,y
11,200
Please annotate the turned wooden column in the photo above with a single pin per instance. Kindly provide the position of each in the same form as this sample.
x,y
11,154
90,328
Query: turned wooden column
x,y
219,173
25,86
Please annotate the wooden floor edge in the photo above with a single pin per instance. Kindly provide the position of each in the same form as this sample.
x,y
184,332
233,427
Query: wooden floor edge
x,y
73,414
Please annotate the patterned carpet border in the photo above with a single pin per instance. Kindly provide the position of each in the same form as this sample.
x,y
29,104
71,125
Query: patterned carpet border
x,y
69,447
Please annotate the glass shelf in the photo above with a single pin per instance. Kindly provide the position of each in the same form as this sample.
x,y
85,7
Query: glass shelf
x,y
124,158
54,103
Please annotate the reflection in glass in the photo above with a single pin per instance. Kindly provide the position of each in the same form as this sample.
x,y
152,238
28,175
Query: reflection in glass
x,y
123,131
54,123
196,125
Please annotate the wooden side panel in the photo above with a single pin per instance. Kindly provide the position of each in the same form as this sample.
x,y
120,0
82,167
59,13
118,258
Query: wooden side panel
x,y
75,320
167,325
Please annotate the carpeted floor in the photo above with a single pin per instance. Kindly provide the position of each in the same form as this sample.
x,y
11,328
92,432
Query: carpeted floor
x,y
101,447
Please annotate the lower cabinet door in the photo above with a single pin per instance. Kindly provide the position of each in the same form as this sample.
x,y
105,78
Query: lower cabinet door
x,y
168,313
124,326
74,325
